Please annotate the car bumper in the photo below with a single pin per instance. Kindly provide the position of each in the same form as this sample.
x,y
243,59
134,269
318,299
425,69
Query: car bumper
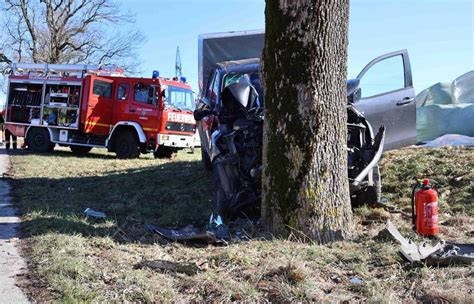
x,y
176,141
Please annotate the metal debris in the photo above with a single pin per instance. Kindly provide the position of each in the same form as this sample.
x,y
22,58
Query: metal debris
x,y
441,253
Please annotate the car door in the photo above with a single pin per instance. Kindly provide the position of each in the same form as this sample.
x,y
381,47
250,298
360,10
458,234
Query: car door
x,y
209,97
387,97
99,106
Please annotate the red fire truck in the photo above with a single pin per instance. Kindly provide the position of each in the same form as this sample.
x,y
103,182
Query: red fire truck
x,y
83,106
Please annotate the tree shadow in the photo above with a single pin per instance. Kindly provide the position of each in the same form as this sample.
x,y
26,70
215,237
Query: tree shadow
x,y
172,194
58,153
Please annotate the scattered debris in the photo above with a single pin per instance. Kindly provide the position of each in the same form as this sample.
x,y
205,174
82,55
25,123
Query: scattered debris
x,y
410,250
89,212
336,279
442,253
186,234
453,254
202,264
215,233
356,280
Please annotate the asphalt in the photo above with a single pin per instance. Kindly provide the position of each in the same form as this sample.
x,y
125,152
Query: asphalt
x,y
11,263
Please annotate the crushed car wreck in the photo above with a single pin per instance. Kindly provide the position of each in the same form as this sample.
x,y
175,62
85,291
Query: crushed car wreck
x,y
235,148
230,116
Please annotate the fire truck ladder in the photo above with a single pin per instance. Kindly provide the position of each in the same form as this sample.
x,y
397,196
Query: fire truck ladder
x,y
45,69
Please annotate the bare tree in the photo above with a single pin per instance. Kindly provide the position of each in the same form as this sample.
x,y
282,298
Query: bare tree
x,y
305,182
68,31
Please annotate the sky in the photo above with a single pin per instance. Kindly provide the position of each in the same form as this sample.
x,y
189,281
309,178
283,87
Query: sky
x,y
438,34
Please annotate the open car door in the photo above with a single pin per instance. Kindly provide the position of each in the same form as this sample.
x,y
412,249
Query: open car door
x,y
388,98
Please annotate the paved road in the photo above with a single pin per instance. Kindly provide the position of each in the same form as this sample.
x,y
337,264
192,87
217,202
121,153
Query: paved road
x,y
11,264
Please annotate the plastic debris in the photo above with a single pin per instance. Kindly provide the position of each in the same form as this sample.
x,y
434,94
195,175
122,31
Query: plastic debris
x,y
89,212
442,253
356,280
410,250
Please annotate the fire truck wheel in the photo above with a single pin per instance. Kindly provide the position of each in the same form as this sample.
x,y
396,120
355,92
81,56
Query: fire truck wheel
x,y
80,150
206,160
39,140
127,145
164,152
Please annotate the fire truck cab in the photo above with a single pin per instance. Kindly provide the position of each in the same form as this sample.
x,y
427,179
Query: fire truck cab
x,y
88,106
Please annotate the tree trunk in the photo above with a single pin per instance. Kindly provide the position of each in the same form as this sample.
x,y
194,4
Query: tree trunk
x,y
305,181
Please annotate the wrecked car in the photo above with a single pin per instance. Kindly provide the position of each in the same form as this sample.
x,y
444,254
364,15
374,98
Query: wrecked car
x,y
230,122
235,148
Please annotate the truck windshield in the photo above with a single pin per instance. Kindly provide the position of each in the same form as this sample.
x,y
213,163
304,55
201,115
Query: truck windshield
x,y
179,98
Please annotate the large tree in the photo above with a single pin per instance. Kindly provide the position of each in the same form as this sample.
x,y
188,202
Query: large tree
x,y
67,31
305,182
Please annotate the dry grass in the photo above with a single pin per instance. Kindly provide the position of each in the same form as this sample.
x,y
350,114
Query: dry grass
x,y
116,260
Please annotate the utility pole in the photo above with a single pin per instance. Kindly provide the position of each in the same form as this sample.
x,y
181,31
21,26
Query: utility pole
x,y
178,68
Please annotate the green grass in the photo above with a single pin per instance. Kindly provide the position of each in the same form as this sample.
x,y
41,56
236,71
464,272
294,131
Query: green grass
x,y
451,168
74,259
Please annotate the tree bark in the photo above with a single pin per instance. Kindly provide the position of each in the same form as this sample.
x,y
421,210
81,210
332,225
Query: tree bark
x,y
305,181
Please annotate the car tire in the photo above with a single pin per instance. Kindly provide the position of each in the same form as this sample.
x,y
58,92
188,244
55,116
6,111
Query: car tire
x,y
370,195
80,150
39,140
126,145
206,160
366,196
164,152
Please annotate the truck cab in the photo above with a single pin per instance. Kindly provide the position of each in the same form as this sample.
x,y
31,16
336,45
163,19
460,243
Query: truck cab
x,y
85,106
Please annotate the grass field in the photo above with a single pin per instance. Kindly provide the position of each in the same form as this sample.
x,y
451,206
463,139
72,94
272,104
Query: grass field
x,y
72,258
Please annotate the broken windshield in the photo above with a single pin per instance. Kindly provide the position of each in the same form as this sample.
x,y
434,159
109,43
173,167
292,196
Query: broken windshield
x,y
179,98
252,77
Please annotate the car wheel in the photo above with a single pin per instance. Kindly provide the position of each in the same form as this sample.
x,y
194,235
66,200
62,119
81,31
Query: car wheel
x,y
206,160
366,196
39,140
127,145
80,150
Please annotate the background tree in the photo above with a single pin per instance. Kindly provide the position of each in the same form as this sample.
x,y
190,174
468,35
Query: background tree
x,y
305,182
67,31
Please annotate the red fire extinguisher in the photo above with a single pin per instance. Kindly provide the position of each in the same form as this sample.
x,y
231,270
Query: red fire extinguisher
x,y
424,208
